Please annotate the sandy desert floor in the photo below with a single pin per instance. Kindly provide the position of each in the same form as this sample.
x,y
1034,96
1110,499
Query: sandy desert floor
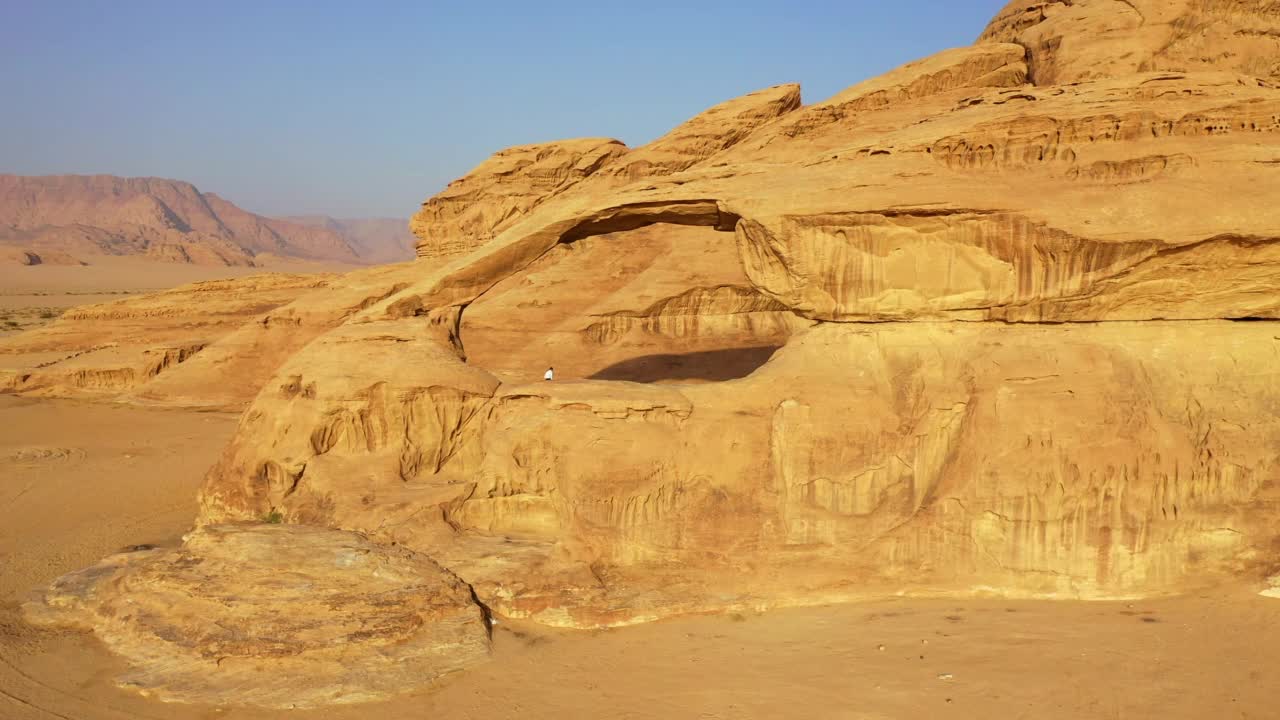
x,y
31,296
79,481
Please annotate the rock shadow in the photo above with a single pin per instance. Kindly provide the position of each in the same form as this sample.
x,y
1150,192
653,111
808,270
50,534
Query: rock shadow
x,y
707,366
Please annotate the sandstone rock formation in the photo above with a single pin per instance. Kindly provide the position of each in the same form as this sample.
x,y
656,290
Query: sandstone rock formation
x,y
275,616
475,208
19,256
103,350
677,292
1069,41
469,212
1000,321
1085,461
920,428
706,134
209,344
1273,587
69,217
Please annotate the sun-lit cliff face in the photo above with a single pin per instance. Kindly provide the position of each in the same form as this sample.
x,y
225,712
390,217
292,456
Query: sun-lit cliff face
x,y
1001,320
1070,41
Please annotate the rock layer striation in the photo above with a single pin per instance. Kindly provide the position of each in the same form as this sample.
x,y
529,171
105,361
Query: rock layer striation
x,y
987,323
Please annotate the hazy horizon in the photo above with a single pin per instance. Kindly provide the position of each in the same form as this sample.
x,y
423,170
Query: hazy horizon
x,y
354,112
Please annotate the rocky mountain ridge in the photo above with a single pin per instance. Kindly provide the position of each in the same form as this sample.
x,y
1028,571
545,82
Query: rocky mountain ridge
x,y
65,218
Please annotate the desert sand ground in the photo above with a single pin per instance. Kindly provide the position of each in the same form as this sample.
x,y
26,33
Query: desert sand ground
x,y
31,296
79,481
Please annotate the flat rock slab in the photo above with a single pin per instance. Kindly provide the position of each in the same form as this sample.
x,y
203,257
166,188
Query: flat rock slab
x,y
1273,588
275,616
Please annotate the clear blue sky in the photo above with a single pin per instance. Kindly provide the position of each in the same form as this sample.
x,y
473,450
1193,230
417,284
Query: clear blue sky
x,y
366,108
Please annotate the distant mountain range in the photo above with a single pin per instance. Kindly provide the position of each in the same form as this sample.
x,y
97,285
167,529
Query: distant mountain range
x,y
68,219
374,240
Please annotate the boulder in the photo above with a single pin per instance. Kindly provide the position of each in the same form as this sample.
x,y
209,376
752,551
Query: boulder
x,y
275,616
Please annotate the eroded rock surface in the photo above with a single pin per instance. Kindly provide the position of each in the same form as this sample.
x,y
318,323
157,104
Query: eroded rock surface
x,y
978,325
473,209
703,136
1073,40
667,303
273,615
207,344
1003,320
1273,587
1088,461
107,349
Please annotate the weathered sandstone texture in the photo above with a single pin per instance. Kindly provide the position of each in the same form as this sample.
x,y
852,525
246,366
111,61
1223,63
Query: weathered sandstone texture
x,y
208,344
469,212
274,615
1073,40
1273,587
977,325
474,209
1099,460
1003,320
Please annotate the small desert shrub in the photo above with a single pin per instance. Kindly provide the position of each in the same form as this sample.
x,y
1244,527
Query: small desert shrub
x,y
48,314
275,517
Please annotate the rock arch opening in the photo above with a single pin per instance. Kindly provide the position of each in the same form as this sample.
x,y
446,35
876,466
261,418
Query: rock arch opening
x,y
651,294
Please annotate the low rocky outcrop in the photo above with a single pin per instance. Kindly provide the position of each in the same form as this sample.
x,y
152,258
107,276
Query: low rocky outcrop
x,y
275,616
211,344
113,348
22,256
